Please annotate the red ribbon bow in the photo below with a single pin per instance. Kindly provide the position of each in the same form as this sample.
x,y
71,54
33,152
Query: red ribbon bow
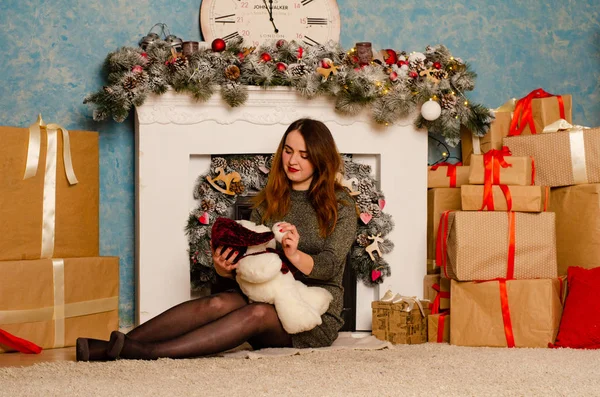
x,y
493,161
450,173
523,115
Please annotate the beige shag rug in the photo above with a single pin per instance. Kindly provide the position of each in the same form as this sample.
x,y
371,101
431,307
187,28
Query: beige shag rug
x,y
360,367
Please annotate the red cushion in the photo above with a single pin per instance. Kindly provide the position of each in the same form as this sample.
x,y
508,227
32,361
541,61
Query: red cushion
x,y
580,323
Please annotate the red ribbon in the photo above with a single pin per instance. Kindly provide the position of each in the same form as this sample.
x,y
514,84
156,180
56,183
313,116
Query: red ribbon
x,y
22,345
493,161
440,332
510,268
508,329
441,245
523,114
450,173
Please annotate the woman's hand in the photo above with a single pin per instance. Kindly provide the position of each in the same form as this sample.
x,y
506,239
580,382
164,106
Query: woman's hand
x,y
290,240
223,262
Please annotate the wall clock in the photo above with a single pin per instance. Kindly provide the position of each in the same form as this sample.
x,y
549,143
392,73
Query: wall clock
x,y
311,22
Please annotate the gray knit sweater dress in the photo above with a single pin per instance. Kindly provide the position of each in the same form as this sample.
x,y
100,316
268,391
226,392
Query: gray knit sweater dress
x,y
329,255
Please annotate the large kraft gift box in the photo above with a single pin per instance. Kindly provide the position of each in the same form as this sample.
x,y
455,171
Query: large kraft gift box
x,y
577,210
561,158
476,245
52,302
22,215
545,111
518,172
438,201
438,328
447,176
401,322
524,198
532,313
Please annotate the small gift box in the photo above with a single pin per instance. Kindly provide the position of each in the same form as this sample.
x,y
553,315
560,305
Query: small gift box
x,y
504,198
438,327
447,175
500,167
400,319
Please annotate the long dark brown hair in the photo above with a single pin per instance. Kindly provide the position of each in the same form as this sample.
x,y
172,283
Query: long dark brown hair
x,y
325,158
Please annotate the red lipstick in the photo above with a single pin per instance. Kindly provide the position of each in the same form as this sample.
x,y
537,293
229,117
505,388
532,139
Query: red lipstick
x,y
291,169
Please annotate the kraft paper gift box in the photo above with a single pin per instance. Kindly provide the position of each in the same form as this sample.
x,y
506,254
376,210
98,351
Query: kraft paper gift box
x,y
35,222
447,176
471,144
476,245
380,312
530,318
438,201
518,172
408,322
562,158
577,210
52,302
543,110
523,198
438,328
436,289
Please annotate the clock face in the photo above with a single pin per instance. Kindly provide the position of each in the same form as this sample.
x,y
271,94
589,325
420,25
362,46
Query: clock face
x,y
311,22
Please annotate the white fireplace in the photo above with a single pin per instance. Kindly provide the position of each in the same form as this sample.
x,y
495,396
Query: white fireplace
x,y
175,137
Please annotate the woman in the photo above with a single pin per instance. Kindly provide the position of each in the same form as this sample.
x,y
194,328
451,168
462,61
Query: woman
x,y
320,220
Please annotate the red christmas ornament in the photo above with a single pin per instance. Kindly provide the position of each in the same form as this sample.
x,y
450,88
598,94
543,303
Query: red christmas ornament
x,y
265,57
390,57
375,274
281,67
413,74
218,45
437,65
241,56
300,52
402,62
393,76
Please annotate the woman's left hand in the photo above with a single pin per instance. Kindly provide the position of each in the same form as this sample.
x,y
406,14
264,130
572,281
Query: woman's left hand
x,y
290,240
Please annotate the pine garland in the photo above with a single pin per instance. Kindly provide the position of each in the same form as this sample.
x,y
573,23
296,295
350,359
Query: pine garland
x,y
393,85
253,170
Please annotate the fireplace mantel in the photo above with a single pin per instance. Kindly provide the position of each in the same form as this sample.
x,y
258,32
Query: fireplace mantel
x,y
175,136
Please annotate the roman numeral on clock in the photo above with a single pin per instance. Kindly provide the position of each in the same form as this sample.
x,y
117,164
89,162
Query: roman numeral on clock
x,y
223,19
310,41
231,36
306,2
317,21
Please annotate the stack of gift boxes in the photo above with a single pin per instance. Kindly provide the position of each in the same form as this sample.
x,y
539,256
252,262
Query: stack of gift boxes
x,y
499,241
55,286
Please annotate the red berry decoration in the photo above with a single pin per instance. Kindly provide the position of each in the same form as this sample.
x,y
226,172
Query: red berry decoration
x,y
218,45
413,74
390,57
281,67
137,69
437,65
393,76
265,57
280,43
300,52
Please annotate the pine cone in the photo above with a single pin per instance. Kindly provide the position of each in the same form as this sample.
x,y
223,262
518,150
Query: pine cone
x,y
221,208
448,101
362,240
129,82
177,64
298,70
208,205
374,209
237,187
232,72
218,162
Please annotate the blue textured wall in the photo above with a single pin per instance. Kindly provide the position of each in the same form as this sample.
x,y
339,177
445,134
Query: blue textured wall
x,y
54,51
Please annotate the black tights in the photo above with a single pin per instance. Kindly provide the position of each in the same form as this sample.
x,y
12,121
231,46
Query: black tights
x,y
204,326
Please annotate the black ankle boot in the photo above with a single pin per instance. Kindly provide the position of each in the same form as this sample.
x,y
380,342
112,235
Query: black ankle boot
x,y
115,345
87,349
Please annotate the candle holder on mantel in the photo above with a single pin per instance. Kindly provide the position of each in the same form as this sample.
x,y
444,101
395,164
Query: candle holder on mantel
x,y
364,52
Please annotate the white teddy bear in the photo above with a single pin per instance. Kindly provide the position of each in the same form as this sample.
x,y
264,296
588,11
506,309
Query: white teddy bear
x,y
259,275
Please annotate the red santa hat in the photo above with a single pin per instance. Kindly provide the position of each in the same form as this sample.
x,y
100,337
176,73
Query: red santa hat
x,y
228,233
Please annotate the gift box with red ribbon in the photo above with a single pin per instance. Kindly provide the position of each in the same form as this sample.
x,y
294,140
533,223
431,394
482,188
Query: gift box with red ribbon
x,y
506,313
49,192
438,327
505,198
447,175
51,302
476,245
438,201
500,167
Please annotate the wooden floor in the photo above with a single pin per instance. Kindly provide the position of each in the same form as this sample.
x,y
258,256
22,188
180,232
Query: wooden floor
x,y
24,360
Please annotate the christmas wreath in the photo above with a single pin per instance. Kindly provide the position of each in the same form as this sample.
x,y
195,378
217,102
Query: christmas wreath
x,y
394,84
239,175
